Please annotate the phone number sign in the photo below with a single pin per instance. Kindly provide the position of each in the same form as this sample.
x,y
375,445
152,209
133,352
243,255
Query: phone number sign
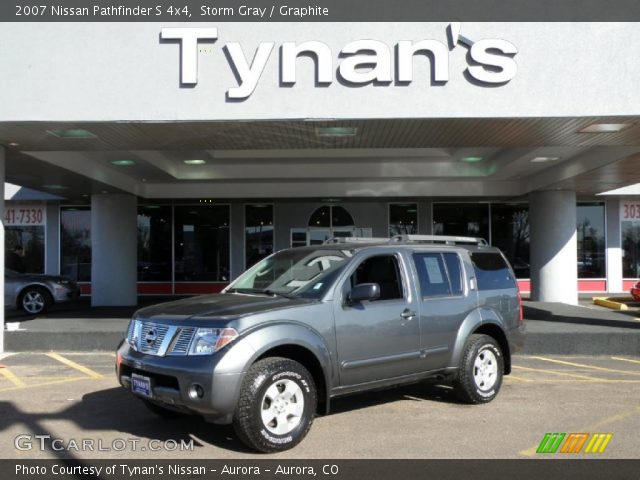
x,y
630,211
24,215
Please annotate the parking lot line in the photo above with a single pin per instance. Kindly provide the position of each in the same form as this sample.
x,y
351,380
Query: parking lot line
x,y
555,372
625,360
77,366
43,384
9,375
582,365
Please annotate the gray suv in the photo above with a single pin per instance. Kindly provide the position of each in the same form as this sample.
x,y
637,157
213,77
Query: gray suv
x,y
307,325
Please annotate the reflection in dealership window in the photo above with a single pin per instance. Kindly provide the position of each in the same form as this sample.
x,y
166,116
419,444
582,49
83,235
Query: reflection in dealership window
x,y
631,249
461,219
24,249
591,240
75,243
202,243
258,233
154,243
403,219
510,233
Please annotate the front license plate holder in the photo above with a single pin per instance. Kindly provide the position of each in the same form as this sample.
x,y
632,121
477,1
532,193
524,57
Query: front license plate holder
x,y
141,385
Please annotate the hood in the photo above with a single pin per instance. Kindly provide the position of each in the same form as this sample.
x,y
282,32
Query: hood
x,y
217,305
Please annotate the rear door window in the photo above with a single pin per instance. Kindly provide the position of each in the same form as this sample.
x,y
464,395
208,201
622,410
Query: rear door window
x,y
492,272
439,274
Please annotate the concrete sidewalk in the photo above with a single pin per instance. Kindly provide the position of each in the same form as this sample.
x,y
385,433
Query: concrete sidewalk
x,y
552,328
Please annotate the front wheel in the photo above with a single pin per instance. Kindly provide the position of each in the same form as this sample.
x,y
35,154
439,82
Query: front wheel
x,y
480,372
277,404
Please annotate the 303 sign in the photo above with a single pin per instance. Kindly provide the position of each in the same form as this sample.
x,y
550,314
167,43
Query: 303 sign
x,y
24,215
630,211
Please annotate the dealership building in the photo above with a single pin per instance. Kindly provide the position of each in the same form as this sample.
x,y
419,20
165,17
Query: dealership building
x,y
164,159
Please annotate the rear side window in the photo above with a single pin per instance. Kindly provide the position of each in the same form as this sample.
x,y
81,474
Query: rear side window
x,y
492,272
439,274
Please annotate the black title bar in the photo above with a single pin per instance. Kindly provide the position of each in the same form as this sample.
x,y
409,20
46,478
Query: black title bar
x,y
319,10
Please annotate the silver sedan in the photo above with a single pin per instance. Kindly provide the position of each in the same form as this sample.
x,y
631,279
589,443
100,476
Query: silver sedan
x,y
35,293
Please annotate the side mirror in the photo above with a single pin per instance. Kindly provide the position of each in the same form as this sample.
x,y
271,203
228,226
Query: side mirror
x,y
364,291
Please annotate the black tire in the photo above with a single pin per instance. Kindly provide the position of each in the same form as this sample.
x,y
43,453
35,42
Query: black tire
x,y
257,396
35,300
480,384
162,411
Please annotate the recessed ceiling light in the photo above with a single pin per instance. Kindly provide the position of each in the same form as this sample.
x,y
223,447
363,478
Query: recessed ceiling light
x,y
605,127
123,163
194,162
55,187
544,159
85,195
71,133
14,144
471,159
336,131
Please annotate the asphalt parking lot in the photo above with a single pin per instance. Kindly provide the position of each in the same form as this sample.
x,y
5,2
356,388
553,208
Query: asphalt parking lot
x,y
74,398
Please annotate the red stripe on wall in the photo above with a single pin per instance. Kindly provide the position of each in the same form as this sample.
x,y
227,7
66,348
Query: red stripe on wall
x,y
592,285
524,286
628,284
85,288
155,288
194,288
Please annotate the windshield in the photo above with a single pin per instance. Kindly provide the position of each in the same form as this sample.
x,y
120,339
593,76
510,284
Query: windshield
x,y
293,273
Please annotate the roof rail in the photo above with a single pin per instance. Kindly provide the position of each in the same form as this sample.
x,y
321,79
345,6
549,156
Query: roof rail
x,y
442,239
356,240
438,239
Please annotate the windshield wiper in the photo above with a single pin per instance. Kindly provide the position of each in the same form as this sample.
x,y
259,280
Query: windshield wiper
x,y
278,294
259,291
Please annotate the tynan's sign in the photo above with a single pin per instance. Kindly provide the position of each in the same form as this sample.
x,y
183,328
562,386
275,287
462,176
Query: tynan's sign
x,y
490,60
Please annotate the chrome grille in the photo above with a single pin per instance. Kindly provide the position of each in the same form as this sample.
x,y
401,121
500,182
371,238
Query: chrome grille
x,y
153,336
182,341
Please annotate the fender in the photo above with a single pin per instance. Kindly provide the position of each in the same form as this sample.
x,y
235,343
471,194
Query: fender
x,y
476,319
256,342
469,324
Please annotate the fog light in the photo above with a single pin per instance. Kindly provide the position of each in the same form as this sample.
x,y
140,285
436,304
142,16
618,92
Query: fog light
x,y
196,392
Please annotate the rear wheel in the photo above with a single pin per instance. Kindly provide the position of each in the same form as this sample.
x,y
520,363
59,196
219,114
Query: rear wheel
x,y
35,300
277,404
481,370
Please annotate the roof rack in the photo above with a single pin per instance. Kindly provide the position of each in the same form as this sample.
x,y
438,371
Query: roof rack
x,y
356,240
441,239
437,239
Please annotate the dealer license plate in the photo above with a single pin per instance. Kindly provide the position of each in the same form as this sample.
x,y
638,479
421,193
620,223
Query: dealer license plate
x,y
141,385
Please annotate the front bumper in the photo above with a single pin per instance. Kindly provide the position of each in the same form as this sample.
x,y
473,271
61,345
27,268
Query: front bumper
x,y
172,378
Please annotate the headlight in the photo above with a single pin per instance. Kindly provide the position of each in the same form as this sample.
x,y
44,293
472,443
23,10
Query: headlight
x,y
207,341
133,333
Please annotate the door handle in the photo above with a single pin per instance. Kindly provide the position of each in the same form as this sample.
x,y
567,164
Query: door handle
x,y
408,314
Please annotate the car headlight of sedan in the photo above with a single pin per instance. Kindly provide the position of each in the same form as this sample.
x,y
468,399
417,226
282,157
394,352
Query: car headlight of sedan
x,y
208,341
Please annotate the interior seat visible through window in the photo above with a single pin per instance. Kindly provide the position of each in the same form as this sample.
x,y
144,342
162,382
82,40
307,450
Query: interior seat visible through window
x,y
383,270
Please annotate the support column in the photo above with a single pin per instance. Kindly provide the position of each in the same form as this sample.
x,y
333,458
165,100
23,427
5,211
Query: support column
x,y
614,246
554,246
52,240
114,250
2,178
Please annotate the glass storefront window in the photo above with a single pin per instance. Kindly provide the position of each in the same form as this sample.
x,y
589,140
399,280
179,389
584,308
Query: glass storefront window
x,y
75,243
331,216
258,233
202,243
403,219
510,233
631,249
461,219
24,249
591,240
154,243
